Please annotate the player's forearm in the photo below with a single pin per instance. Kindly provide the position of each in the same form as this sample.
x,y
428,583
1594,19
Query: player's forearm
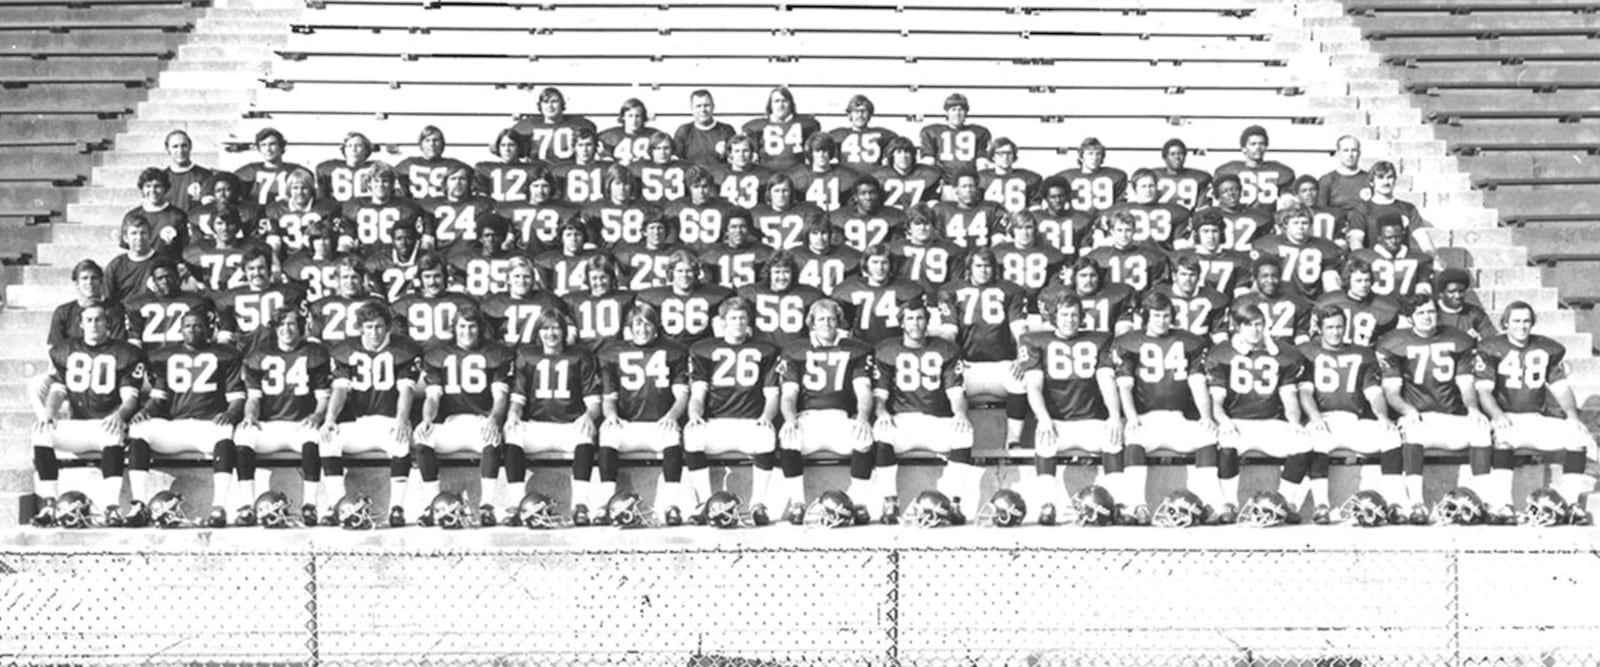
x,y
1308,403
1217,400
864,404
318,412
769,411
958,403
1469,394
1036,404
1485,400
1125,396
680,402
1564,398
1290,398
235,410
1398,402
130,404
608,407
54,397
402,410
790,405
697,401
502,405
335,404
252,409
1109,392
882,407
1201,395
591,408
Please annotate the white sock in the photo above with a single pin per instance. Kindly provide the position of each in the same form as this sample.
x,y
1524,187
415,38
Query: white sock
x,y
111,491
333,490
794,491
603,491
1573,486
1136,480
430,490
582,493
397,492
1319,491
761,488
308,492
1293,492
221,489
504,491
962,480
700,481
863,492
1036,492
1115,483
1499,487
138,485
1414,490
46,490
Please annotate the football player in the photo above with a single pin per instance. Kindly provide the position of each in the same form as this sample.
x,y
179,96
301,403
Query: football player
x,y
1398,268
1364,217
348,176
264,181
1241,224
866,221
630,140
287,386
645,379
922,405
1177,183
285,223
1006,184
376,217
737,261
1107,307
425,315
780,301
985,315
1289,315
955,145
742,181
1371,317
513,314
733,404
1327,222
333,317
196,397
168,223
649,262
1311,263
553,133
1255,400
704,140
244,312
1196,308
662,177
480,266
782,218
621,217
1428,379
875,297
566,268
1069,231
66,322
923,256
1450,292
686,306
155,316
369,411
316,268
599,311
393,266
1522,387
967,220
98,379
582,178
824,262
222,196
824,183
907,182
1161,386
187,179
1095,187
1154,223
827,404
862,147
467,392
782,134
1072,395
1347,185
506,179
458,212
702,215
423,177
1260,180
1138,266
555,400
1023,259
1221,268
536,219
1341,393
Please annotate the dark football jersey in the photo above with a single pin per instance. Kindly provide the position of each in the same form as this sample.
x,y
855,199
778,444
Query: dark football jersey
x,y
95,376
512,319
552,140
932,265
1344,191
66,322
1139,267
703,146
599,318
1032,268
781,145
154,320
1185,188
339,181
1397,275
686,319
187,185
422,178
1154,224
862,149
1252,379
505,181
624,147
955,148
1103,309
374,378
284,221
581,183
826,270
553,387
1365,216
1521,375
1242,226
862,230
1428,367
701,226
1015,190
1303,263
169,226
983,315
828,189
392,277
217,268
536,226
1470,320
660,183
1329,223
1340,378
249,312
736,376
1071,232
1097,191
288,383
566,274
1224,271
478,274
373,221
970,227
456,222
745,189
428,320
467,377
613,224
203,220
1202,314
643,377
333,318
198,383
918,379
734,268
1366,321
318,277
1288,315
780,317
874,312
644,266
782,229
1159,369
1070,367
1260,185
266,182
826,375
922,184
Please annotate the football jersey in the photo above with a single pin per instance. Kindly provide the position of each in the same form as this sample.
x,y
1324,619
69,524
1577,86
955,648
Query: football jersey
x,y
66,322
249,312
955,148
825,270
1032,268
922,184
1470,320
1260,185
863,230
1341,378
736,376
1242,226
1202,314
614,224
95,375
782,229
1366,321
318,277
339,181
1140,267
686,319
455,222
536,226
505,181
862,149
581,183
642,377
660,183
701,226
1329,223
374,378
373,221
1186,187
828,189
918,379
265,182
203,219
1303,263
216,268
333,318
703,146
745,189
283,220
1288,315
644,266
422,177
874,312
1365,217
1521,375
565,274
199,383
154,320
734,268
1397,275
781,145
553,387
780,317
393,277
512,319
826,374
970,226
599,318
1015,190
467,377
1157,225
1071,232
1340,191
169,226
931,265
1096,191
626,148
1069,367
1225,271
983,315
477,274
1102,310
552,140
187,185
428,320
1428,366
1159,369
1251,380
288,383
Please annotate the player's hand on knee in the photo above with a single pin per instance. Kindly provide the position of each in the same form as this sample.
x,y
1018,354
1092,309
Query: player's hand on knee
x,y
424,431
138,417
885,423
962,424
696,421
1502,423
1226,428
403,437
248,423
114,424
44,425
222,419
584,426
1478,418
1317,426
862,429
667,424
763,422
790,434
492,433
1411,421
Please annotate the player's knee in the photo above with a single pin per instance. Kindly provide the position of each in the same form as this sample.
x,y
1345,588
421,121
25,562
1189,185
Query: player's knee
x,y
45,464
223,456
139,454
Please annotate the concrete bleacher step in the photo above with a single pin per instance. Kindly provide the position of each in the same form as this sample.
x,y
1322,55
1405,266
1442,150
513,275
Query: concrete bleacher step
x,y
79,68
30,197
1545,200
99,40
19,163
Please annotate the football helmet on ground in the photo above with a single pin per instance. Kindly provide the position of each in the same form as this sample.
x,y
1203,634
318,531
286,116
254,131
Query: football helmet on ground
x,y
932,509
539,511
166,510
832,509
1546,508
721,510
354,512
1461,507
627,510
1267,509
271,510
1094,506
72,510
1005,509
1367,509
447,511
1181,509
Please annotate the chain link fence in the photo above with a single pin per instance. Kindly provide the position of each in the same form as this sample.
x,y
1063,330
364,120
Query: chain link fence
x,y
670,598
